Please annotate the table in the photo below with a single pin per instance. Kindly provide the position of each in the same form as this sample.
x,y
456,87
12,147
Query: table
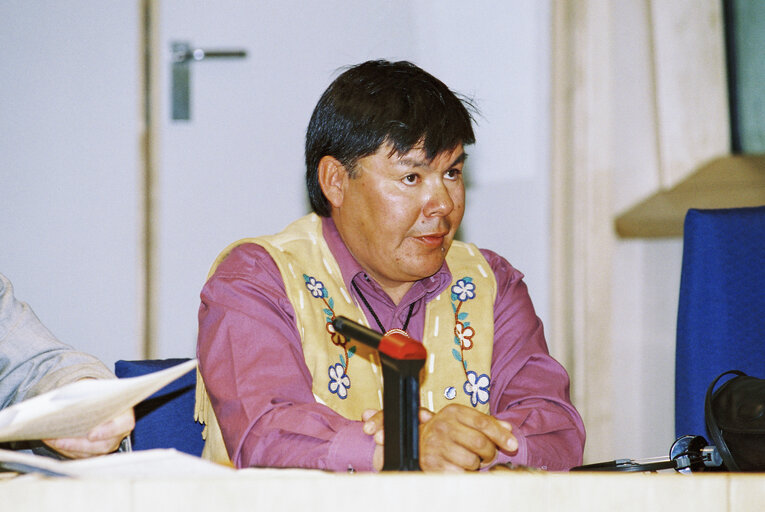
x,y
272,489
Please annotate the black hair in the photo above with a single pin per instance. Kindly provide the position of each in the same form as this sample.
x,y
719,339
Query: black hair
x,y
380,102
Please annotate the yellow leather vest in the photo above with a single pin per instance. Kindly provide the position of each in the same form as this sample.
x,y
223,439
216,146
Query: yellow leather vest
x,y
458,332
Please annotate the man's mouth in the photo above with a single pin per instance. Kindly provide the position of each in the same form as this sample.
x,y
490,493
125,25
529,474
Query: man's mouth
x,y
432,240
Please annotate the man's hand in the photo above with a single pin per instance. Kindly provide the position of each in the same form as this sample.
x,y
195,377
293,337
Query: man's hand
x,y
459,438
102,439
456,438
373,425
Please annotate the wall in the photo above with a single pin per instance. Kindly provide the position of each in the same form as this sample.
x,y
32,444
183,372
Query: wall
x,y
669,117
70,168
645,273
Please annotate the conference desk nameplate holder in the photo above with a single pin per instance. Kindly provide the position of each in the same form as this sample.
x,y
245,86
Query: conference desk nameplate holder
x,y
402,359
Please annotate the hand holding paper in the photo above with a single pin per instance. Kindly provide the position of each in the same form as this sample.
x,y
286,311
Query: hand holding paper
x,y
102,439
75,410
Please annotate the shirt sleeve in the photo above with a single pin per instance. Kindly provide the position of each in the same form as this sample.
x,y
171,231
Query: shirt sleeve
x,y
251,359
530,389
32,360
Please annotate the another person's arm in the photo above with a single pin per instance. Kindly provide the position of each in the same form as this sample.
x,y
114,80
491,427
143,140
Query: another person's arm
x,y
33,361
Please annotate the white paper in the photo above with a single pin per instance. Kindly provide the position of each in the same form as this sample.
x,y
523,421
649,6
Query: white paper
x,y
74,409
139,464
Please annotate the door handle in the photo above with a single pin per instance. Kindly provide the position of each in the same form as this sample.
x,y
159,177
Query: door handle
x,y
183,54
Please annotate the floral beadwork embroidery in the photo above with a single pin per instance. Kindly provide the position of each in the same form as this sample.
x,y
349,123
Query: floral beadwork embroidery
x,y
463,290
337,338
339,381
477,387
465,335
315,287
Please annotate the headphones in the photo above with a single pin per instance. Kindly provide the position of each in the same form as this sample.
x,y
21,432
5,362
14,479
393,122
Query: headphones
x,y
688,454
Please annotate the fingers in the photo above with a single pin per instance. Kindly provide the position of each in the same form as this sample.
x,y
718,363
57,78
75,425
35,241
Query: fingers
x,y
467,446
81,447
373,425
461,438
505,438
119,427
499,432
366,415
102,439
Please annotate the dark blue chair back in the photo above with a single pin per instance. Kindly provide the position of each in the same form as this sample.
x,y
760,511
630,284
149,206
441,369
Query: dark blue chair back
x,y
166,418
721,311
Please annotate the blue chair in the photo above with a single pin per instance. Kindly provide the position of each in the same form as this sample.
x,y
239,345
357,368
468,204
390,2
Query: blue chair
x,y
166,418
721,311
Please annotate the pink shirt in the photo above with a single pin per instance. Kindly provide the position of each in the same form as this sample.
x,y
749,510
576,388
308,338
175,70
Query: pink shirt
x,y
250,356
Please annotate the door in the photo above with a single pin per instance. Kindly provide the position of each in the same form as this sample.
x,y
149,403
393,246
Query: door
x,y
235,168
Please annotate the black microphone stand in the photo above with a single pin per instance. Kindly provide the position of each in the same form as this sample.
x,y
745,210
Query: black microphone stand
x,y
402,359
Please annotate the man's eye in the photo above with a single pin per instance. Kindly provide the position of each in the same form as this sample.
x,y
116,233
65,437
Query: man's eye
x,y
453,173
410,179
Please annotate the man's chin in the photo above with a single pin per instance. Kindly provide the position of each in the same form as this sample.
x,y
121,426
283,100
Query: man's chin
x,y
427,270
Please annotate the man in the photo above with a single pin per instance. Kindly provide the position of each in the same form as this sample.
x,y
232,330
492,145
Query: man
x,y
384,156
33,361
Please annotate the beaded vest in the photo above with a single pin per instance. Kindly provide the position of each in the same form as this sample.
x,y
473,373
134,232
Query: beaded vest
x,y
458,333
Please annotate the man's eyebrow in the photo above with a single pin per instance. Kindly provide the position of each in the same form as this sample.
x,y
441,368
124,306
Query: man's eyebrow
x,y
417,162
460,159
410,161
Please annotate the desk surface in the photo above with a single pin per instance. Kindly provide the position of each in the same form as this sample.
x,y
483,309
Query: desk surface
x,y
312,490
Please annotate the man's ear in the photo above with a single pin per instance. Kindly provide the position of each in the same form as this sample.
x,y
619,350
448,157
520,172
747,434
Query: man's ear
x,y
332,179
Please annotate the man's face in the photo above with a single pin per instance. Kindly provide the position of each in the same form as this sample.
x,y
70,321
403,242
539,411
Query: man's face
x,y
399,214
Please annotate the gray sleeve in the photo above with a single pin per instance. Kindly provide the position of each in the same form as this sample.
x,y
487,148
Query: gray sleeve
x,y
32,360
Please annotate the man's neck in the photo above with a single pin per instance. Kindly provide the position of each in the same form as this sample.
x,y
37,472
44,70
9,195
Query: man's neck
x,y
396,293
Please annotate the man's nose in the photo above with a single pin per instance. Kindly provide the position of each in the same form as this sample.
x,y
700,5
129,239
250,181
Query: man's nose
x,y
438,202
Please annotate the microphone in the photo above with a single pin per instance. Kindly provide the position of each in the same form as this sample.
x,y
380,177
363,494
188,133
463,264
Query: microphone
x,y
402,359
394,345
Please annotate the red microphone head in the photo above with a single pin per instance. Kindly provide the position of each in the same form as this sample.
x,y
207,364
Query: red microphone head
x,y
401,346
